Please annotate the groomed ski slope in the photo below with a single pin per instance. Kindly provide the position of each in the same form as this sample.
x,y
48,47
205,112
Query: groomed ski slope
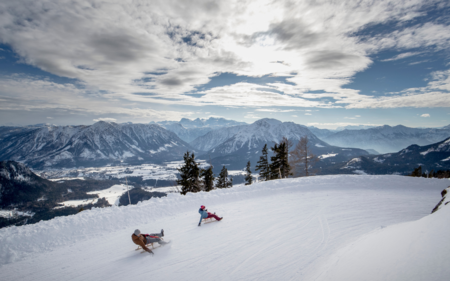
x,y
317,228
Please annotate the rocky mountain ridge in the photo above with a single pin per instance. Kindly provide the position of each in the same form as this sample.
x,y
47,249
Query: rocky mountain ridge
x,y
430,157
386,139
189,130
99,144
239,144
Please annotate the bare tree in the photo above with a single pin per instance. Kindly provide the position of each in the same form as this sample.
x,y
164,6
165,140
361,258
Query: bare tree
x,y
302,159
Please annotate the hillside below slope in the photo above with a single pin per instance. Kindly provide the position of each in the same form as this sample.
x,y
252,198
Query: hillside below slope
x,y
278,230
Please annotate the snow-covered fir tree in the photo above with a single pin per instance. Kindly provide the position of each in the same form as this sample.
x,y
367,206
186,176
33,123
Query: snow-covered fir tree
x,y
280,168
189,175
208,178
263,165
248,176
223,181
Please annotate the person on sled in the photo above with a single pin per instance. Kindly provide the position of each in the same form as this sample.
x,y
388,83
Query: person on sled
x,y
144,239
204,214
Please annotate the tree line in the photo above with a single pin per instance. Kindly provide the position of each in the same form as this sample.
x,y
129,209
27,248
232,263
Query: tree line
x,y
298,162
441,174
284,163
195,179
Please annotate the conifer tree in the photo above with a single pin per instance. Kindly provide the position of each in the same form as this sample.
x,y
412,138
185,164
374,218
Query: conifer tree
x,y
280,168
189,175
275,165
208,179
263,165
223,181
248,176
417,172
283,155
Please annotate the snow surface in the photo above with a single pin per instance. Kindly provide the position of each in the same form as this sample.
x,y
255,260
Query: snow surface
x,y
344,227
323,156
111,195
446,159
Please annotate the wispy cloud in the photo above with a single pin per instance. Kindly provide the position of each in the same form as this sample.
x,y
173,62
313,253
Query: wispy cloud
x,y
425,115
402,56
353,117
435,94
15,95
105,119
251,115
274,110
326,125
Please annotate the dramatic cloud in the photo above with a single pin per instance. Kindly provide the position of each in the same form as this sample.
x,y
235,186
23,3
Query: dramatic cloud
x,y
135,54
27,94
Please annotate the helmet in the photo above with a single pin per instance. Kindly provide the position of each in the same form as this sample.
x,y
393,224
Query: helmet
x,y
202,207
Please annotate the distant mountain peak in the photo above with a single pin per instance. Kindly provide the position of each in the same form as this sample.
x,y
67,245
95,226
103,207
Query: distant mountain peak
x,y
270,121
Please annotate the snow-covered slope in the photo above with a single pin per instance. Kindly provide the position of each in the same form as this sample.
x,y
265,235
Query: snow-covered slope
x,y
189,134
212,122
99,144
417,250
216,137
386,138
265,131
290,229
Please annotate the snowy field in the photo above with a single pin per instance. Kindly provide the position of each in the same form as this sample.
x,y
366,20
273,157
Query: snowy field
x,y
112,195
317,228
168,172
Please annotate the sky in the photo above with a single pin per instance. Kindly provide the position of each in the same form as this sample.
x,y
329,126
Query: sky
x,y
318,63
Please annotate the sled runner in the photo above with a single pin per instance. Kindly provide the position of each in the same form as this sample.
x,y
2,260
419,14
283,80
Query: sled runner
x,y
209,220
152,246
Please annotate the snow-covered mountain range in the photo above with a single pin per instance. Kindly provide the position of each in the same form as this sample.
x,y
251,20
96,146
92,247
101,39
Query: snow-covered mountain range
x,y
99,144
236,145
386,139
188,130
430,157
224,142
216,137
